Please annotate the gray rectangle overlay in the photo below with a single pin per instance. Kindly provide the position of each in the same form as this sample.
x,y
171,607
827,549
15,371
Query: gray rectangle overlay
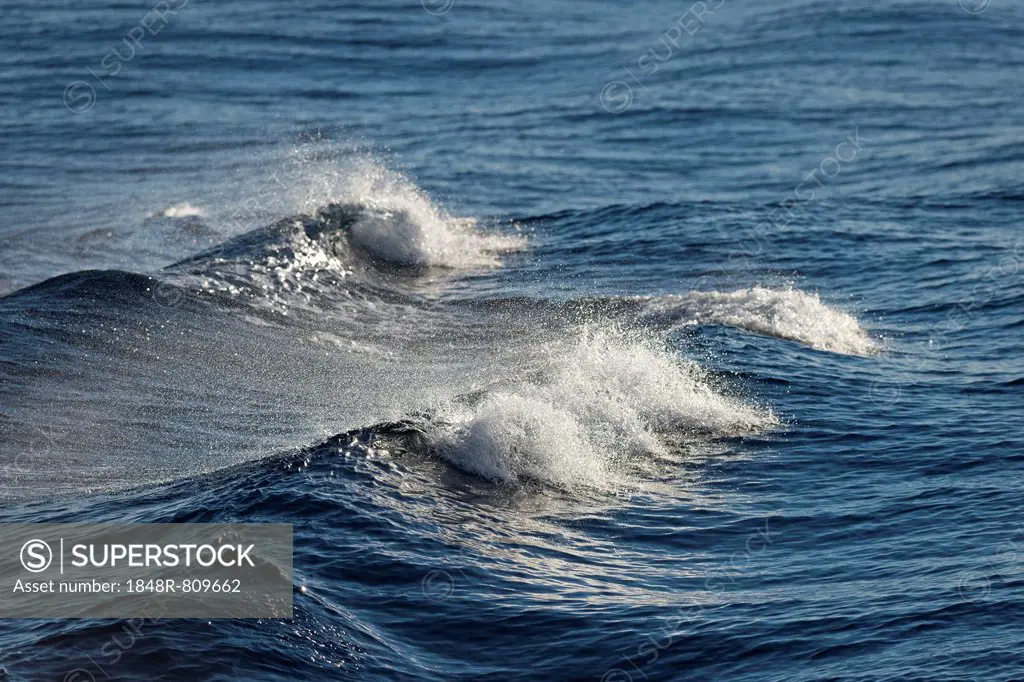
x,y
149,570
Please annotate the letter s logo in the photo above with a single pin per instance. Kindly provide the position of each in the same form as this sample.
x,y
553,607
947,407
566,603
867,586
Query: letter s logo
x,y
79,97
616,97
36,556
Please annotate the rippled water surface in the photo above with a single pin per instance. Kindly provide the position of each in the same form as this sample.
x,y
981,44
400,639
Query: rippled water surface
x,y
578,341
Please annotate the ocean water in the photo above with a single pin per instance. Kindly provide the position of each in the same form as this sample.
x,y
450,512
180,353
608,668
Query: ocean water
x,y
578,341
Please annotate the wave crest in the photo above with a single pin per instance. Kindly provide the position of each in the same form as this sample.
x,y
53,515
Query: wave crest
x,y
401,225
378,222
605,400
783,313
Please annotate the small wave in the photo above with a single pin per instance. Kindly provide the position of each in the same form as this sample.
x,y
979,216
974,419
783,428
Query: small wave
x,y
606,400
783,313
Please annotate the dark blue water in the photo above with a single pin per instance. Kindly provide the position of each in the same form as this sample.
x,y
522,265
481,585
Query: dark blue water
x,y
578,341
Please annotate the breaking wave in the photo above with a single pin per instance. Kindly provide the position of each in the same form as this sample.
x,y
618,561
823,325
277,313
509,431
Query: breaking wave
x,y
402,226
599,403
371,222
783,313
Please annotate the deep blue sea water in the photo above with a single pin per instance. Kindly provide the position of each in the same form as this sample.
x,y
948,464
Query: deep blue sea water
x,y
578,341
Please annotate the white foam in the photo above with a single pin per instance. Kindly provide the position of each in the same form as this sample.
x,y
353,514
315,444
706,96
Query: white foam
x,y
783,313
403,226
182,210
605,400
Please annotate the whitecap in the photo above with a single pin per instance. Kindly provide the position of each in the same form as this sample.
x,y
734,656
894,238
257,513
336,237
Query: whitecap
x,y
783,313
604,401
